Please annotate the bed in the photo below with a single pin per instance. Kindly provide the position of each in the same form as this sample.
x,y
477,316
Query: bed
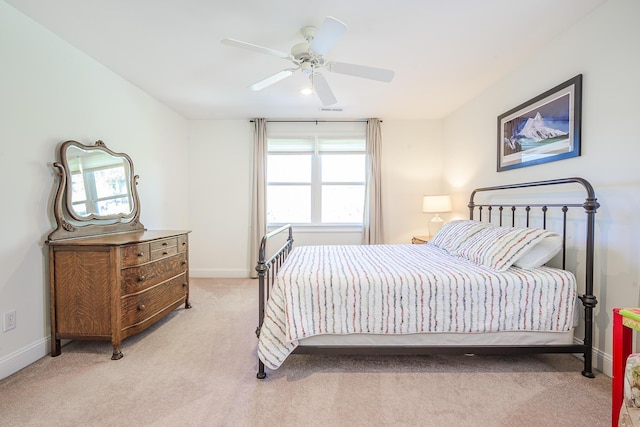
x,y
479,286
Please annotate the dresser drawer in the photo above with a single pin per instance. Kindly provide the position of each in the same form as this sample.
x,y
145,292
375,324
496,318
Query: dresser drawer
x,y
183,242
164,248
137,308
164,243
135,254
164,252
135,279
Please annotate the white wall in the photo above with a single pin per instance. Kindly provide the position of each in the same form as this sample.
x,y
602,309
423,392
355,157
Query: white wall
x,y
411,168
50,92
603,47
220,171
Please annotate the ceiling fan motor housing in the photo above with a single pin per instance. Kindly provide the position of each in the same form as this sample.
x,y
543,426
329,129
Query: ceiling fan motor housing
x,y
305,58
300,51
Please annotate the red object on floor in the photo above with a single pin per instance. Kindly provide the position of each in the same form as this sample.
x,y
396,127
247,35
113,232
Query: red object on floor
x,y
623,325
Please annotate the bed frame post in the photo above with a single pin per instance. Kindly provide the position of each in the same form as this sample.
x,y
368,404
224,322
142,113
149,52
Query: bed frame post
x,y
261,268
589,300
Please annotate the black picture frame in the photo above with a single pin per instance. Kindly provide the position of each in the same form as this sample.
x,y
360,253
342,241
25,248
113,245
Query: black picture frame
x,y
543,129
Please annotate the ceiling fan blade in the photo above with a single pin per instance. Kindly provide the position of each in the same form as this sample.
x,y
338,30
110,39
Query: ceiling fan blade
x,y
326,36
322,89
271,79
362,71
255,48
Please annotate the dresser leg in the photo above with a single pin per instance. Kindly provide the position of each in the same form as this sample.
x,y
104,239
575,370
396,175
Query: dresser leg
x,y
55,347
117,354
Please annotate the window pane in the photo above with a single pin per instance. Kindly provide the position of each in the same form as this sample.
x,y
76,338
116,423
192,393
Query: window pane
x,y
110,182
114,206
77,188
289,168
80,209
288,203
342,167
342,203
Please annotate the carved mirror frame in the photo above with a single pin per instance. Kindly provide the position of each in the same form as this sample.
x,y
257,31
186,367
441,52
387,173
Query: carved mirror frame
x,y
72,224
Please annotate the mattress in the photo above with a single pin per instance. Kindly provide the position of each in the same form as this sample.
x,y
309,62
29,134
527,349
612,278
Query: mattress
x,y
408,290
440,338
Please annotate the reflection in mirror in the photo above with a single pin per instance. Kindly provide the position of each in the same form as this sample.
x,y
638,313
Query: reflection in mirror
x,y
99,183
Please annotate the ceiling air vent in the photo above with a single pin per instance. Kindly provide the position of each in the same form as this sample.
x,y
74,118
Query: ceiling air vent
x,y
330,109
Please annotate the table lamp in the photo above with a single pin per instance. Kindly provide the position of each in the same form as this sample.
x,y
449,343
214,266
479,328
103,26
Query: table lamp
x,y
436,204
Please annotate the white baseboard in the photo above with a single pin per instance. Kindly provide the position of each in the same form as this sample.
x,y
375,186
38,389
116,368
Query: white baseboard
x,y
213,273
12,363
601,361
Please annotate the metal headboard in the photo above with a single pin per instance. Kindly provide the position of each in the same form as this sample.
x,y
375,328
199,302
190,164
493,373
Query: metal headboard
x,y
590,206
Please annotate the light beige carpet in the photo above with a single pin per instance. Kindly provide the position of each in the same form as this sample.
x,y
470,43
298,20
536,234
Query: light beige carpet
x,y
197,368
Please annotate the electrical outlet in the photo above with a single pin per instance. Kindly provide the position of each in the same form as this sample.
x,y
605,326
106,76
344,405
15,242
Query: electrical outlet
x,y
9,320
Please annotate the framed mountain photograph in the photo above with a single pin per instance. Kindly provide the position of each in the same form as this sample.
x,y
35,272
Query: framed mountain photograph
x,y
543,129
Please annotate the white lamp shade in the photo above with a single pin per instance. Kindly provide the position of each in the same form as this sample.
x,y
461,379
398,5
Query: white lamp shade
x,y
436,204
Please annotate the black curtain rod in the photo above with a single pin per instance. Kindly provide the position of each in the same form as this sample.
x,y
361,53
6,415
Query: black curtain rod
x,y
316,121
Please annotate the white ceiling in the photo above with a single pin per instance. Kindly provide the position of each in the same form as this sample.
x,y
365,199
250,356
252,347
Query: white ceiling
x,y
443,52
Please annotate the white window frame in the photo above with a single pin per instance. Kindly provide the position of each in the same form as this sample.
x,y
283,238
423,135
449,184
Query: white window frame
x,y
316,184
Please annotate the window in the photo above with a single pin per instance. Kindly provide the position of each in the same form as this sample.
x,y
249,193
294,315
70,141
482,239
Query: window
x,y
316,179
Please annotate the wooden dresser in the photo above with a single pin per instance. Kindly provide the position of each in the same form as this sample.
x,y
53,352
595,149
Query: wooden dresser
x,y
112,286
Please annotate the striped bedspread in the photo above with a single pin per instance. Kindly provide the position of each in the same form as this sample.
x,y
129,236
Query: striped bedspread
x,y
398,289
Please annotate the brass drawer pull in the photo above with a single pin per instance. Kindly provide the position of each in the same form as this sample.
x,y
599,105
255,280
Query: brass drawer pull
x,y
141,307
141,279
140,254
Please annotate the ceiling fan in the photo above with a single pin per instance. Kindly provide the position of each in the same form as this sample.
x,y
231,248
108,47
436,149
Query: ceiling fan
x,y
308,57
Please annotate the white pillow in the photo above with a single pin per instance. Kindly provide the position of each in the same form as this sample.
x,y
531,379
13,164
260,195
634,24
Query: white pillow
x,y
455,233
540,253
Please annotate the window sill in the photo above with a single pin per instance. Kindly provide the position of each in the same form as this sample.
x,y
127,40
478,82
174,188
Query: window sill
x,y
328,228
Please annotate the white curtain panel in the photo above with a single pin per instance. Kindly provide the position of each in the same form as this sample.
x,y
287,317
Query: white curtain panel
x,y
258,204
372,223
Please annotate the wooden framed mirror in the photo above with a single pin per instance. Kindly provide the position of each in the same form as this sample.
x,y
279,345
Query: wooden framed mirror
x,y
96,192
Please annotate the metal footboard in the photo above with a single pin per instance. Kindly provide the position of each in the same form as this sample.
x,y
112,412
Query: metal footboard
x,y
267,269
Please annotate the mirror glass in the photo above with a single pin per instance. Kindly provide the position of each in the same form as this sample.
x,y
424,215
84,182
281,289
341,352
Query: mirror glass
x,y
99,183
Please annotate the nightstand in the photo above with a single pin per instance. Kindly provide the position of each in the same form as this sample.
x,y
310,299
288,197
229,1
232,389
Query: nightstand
x,y
420,240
